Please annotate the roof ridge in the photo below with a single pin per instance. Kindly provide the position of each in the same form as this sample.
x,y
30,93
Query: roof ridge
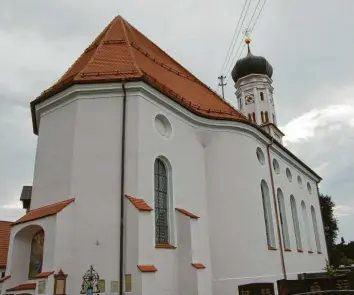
x,y
89,48
122,22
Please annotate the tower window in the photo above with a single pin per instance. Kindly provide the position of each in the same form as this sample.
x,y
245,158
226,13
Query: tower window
x,y
254,117
250,117
266,118
262,96
274,119
262,116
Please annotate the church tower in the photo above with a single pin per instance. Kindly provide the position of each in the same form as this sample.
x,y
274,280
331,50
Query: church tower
x,y
252,76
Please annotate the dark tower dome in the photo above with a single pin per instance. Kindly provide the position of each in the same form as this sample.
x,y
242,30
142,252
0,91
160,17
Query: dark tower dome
x,y
251,64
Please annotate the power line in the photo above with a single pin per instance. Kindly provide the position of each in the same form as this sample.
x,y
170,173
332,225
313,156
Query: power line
x,y
241,41
227,57
259,13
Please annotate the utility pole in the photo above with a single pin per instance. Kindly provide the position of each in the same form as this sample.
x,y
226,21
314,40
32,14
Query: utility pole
x,y
222,84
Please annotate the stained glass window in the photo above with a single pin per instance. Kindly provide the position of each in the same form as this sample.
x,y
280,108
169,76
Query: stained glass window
x,y
36,256
161,203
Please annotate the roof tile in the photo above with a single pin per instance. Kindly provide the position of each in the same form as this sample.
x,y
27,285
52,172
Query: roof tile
x,y
44,211
198,265
122,53
140,204
147,268
44,274
29,286
5,230
187,213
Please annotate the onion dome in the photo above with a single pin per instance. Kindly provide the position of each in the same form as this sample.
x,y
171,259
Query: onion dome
x,y
251,64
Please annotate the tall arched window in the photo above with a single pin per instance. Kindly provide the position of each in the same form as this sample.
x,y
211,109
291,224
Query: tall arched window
x,y
315,228
306,224
36,255
161,203
262,116
283,220
295,223
254,117
268,217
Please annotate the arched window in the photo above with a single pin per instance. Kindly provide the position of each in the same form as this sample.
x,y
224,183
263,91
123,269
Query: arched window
x,y
262,116
266,118
262,96
295,222
254,117
36,255
250,117
268,217
306,223
161,203
283,220
315,228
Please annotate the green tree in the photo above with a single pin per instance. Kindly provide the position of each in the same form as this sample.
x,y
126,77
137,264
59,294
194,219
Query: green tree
x,y
330,225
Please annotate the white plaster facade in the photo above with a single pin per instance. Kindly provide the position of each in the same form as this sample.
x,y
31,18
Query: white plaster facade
x,y
214,172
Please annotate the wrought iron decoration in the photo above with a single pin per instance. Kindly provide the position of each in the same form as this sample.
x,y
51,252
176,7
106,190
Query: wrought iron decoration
x,y
90,282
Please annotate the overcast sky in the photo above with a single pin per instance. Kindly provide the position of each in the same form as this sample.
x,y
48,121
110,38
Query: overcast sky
x,y
310,45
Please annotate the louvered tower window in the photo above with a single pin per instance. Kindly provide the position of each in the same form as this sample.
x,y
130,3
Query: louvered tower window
x,y
161,203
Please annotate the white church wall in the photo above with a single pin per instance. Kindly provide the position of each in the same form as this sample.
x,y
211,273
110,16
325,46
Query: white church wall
x,y
215,174
297,262
52,172
185,156
239,250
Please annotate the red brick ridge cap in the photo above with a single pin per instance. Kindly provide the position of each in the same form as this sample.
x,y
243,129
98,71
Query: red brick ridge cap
x,y
28,286
147,268
4,279
139,204
198,265
66,202
187,213
44,274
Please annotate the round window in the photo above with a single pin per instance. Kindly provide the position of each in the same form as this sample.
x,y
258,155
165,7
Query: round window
x,y
276,166
309,188
163,126
260,156
289,175
299,180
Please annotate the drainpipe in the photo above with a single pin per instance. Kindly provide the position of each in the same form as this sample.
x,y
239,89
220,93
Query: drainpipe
x,y
122,170
276,211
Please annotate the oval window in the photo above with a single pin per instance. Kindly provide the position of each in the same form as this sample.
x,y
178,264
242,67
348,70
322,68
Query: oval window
x,y
289,175
276,166
260,156
162,125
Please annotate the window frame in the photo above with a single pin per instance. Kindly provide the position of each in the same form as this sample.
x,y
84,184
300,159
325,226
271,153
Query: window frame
x,y
283,219
296,224
169,203
268,214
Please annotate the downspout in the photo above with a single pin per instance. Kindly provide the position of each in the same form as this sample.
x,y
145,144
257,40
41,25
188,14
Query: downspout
x,y
276,212
122,171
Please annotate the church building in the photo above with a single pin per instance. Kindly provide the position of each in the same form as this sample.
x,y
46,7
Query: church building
x,y
147,182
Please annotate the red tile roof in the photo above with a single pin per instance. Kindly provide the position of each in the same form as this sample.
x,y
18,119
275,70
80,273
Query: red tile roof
x,y
140,204
30,286
185,212
5,229
44,211
198,265
122,53
4,279
44,274
147,268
